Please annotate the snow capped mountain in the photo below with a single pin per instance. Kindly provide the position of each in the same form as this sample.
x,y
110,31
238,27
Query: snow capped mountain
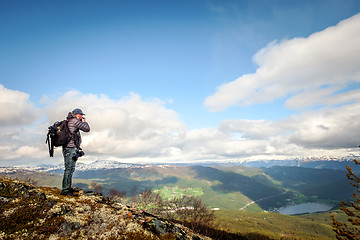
x,y
106,164
80,166
307,162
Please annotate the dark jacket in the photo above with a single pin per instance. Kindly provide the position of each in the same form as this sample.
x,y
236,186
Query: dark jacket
x,y
75,125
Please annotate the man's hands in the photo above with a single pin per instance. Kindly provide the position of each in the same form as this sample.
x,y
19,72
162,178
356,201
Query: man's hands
x,y
80,117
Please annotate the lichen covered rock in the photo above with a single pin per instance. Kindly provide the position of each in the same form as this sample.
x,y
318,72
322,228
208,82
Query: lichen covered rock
x,y
30,212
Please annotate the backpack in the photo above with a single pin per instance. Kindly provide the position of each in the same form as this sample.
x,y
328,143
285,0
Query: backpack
x,y
58,135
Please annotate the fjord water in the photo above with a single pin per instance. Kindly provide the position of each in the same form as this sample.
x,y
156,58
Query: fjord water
x,y
305,208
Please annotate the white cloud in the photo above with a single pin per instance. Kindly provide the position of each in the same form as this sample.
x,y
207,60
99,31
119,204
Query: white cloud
x,y
26,143
127,127
15,108
327,61
317,75
327,129
19,132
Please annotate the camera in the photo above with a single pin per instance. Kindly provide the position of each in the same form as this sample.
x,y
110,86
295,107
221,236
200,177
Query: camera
x,y
78,154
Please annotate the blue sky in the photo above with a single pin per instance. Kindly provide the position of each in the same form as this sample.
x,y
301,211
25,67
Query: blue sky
x,y
222,80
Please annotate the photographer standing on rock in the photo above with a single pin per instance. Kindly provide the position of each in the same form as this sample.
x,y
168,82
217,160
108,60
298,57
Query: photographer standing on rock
x,y
72,151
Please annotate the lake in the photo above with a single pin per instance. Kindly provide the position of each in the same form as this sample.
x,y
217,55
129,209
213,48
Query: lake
x,y
305,208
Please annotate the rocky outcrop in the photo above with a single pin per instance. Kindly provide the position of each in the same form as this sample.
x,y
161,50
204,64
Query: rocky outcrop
x,y
30,212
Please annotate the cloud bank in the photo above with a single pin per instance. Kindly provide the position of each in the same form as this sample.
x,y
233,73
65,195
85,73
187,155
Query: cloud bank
x,y
126,128
131,129
318,76
307,72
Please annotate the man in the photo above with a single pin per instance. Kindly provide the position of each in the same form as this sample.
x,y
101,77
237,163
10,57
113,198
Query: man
x,y
76,122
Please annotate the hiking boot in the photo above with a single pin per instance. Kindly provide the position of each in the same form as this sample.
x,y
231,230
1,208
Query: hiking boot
x,y
74,190
69,194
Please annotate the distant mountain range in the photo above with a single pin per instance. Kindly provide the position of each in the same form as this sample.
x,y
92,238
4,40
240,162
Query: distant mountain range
x,y
253,185
322,162
80,166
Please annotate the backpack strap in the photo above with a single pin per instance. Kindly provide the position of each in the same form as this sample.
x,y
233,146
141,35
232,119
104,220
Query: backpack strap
x,y
50,144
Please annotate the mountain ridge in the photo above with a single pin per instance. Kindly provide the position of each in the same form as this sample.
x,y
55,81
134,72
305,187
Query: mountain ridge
x,y
307,162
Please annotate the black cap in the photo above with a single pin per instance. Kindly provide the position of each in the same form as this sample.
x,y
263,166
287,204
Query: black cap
x,y
78,111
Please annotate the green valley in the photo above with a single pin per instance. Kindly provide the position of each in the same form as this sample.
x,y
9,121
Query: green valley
x,y
245,199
